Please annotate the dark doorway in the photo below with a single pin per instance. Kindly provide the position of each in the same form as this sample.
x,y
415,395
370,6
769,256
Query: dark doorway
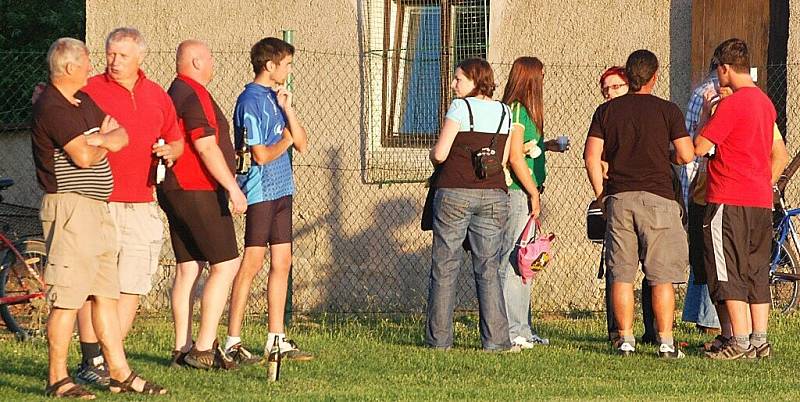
x,y
764,25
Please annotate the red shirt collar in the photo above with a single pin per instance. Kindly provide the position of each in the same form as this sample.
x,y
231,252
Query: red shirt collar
x,y
141,78
188,79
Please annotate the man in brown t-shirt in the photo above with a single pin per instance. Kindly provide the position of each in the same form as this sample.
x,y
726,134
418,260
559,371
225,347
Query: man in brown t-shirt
x,y
634,132
71,138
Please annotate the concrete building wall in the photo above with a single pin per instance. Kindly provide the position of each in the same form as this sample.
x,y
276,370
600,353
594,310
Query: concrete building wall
x,y
358,245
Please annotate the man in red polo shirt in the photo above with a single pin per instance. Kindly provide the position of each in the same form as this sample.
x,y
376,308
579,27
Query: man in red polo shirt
x,y
145,110
737,228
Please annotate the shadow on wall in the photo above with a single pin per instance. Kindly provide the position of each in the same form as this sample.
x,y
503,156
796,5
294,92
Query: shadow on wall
x,y
356,255
16,162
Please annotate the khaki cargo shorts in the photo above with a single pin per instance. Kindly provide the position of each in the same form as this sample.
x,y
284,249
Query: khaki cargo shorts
x,y
141,234
81,249
647,227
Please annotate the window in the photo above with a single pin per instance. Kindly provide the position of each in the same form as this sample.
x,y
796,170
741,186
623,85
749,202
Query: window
x,y
412,49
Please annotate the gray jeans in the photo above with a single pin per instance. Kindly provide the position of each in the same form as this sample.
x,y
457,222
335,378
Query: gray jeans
x,y
516,294
483,214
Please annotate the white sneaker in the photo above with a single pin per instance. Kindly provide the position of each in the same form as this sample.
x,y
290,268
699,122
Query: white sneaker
x,y
538,340
522,343
289,350
625,348
530,343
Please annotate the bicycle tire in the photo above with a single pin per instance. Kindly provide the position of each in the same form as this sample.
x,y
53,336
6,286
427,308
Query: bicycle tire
x,y
783,285
29,318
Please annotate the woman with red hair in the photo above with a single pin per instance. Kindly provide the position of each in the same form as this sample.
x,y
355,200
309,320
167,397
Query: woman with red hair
x,y
613,83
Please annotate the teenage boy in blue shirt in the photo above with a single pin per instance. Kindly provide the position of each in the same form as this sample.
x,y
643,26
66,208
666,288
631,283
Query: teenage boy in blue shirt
x,y
265,121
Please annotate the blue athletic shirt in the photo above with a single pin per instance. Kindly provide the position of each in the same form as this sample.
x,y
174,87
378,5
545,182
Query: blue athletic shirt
x,y
257,110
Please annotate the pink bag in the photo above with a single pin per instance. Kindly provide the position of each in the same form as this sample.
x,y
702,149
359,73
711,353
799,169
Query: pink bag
x,y
533,256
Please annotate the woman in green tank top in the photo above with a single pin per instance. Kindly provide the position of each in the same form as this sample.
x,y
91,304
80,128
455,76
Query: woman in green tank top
x,y
525,178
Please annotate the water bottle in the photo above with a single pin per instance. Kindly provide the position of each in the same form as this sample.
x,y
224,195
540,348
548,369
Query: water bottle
x,y
161,169
243,160
274,360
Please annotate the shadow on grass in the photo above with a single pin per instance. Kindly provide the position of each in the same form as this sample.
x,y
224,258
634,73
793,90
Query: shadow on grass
x,y
24,389
161,360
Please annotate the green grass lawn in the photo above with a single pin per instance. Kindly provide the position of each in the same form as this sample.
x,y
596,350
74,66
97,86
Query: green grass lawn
x,y
368,358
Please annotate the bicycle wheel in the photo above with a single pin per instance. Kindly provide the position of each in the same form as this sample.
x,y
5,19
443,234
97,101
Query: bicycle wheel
x,y
26,318
783,281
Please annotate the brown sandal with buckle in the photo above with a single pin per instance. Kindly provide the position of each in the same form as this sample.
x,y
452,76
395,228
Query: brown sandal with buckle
x,y
127,386
76,391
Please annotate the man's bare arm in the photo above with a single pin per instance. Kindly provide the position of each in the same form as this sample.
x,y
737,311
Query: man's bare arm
x,y
779,158
592,154
684,151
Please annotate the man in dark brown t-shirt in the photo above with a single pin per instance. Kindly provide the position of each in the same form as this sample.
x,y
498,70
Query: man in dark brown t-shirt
x,y
71,138
634,133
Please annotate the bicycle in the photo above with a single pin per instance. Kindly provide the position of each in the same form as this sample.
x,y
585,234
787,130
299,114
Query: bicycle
x,y
783,265
23,304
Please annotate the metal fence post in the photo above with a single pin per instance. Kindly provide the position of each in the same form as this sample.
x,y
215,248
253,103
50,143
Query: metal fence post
x,y
288,37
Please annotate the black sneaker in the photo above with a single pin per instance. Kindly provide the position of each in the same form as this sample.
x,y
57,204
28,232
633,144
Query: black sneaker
x,y
670,352
177,360
93,373
650,339
242,356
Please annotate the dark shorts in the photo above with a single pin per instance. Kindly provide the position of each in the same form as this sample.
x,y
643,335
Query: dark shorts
x,y
269,223
696,243
738,242
200,225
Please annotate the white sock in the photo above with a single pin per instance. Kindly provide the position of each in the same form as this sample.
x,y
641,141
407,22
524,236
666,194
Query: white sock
x,y
232,340
270,338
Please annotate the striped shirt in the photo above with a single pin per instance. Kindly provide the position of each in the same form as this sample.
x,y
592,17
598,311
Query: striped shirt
x,y
95,182
56,122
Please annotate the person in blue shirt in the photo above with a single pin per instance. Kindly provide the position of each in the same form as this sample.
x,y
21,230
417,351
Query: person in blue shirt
x,y
266,122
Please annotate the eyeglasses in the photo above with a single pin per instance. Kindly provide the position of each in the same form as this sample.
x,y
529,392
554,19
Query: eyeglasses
x,y
614,87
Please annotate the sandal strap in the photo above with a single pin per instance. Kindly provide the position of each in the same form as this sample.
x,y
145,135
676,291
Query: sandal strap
x,y
78,392
51,389
75,391
151,389
148,388
125,385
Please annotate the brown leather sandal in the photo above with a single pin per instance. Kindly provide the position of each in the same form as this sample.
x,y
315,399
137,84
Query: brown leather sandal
x,y
127,386
76,391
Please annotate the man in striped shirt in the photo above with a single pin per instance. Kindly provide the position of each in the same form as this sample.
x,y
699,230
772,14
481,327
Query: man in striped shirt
x,y
71,138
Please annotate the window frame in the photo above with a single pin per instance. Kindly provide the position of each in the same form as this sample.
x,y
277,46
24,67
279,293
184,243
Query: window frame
x,y
390,135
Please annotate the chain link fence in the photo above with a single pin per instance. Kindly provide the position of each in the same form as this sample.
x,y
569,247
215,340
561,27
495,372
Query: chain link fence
x,y
358,247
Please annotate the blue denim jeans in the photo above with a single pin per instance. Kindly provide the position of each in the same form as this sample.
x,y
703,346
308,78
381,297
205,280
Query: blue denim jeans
x,y
697,307
482,214
516,294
